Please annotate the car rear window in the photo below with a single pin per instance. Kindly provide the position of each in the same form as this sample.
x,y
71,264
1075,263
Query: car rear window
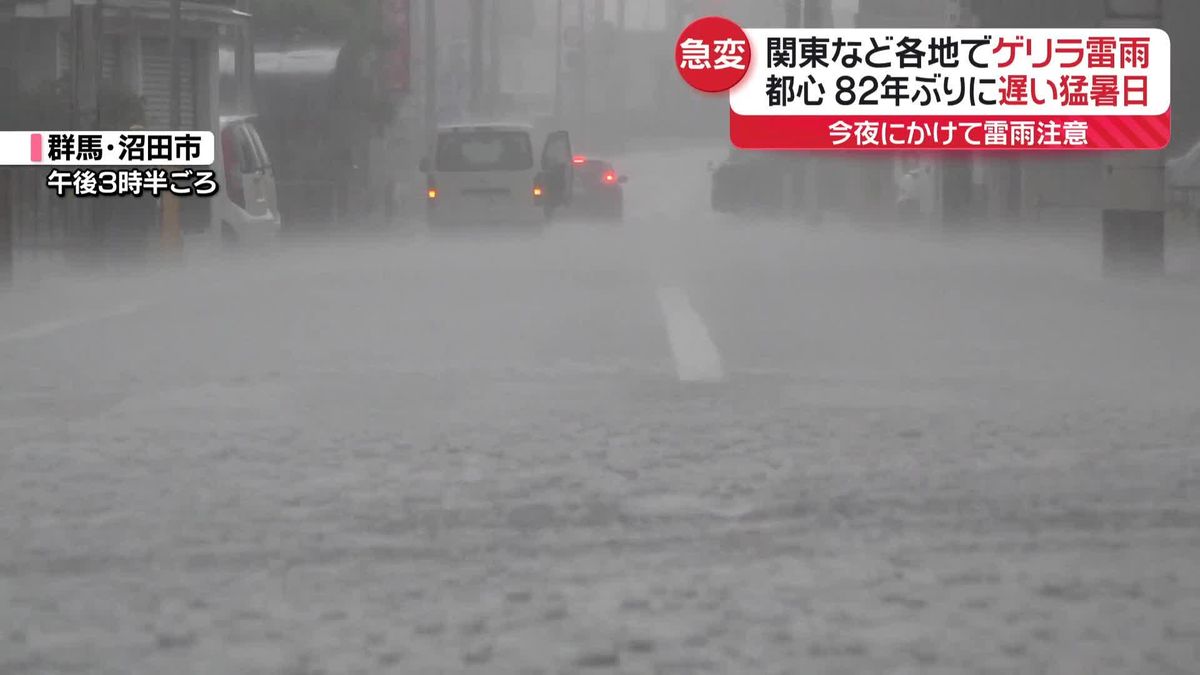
x,y
484,151
593,170
247,157
264,160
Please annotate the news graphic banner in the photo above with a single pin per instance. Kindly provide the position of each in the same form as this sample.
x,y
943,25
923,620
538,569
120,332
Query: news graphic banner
x,y
935,89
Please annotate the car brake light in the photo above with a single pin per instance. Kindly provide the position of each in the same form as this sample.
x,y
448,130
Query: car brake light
x,y
610,177
578,159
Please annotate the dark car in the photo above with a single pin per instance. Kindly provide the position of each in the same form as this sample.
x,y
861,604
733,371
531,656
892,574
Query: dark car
x,y
748,181
599,190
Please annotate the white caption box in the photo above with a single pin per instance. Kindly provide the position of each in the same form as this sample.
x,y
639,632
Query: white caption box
x,y
107,148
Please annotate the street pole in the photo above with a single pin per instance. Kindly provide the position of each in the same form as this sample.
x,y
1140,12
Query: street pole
x,y
170,238
431,68
595,87
816,13
87,62
1134,183
558,59
96,213
244,63
620,65
476,67
76,115
583,71
97,29
174,47
793,18
792,13
6,227
495,56
954,183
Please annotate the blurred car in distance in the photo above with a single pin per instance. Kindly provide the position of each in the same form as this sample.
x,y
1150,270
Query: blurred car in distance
x,y
599,189
747,182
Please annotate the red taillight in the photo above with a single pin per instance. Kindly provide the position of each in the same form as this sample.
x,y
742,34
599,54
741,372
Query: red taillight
x,y
233,177
578,159
610,178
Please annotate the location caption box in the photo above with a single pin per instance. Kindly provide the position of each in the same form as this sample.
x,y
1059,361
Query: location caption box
x,y
107,148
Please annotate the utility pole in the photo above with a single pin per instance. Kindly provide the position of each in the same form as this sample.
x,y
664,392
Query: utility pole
x,y
953,183
495,56
793,13
173,42
86,58
170,234
87,65
596,87
817,14
8,54
620,64
244,63
558,62
476,65
583,70
431,71
73,206
97,29
96,214
6,227
1134,183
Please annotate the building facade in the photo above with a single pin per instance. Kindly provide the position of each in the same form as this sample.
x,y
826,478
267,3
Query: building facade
x,y
102,66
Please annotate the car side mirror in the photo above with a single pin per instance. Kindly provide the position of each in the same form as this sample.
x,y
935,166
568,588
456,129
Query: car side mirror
x,y
623,180
423,165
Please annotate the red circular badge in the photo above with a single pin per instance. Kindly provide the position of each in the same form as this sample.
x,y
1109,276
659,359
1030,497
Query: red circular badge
x,y
712,54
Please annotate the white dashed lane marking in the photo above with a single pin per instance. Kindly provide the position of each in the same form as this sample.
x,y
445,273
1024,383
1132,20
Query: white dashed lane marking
x,y
696,356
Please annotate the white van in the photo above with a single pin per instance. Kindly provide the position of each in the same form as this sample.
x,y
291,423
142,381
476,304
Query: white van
x,y
246,209
491,175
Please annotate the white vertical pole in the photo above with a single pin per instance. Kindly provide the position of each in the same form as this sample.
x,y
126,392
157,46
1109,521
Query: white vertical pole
x,y
1134,208
176,52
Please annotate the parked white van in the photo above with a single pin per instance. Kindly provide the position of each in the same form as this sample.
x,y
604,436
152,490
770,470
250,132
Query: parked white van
x,y
491,175
246,209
